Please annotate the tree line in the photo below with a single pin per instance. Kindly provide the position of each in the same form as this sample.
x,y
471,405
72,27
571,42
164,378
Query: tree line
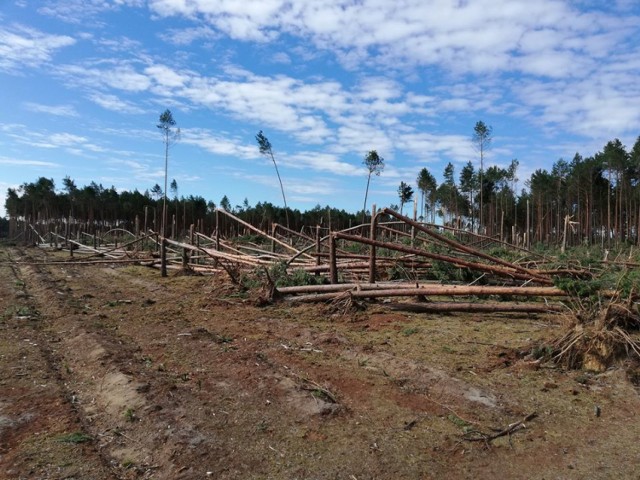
x,y
40,202
585,201
597,197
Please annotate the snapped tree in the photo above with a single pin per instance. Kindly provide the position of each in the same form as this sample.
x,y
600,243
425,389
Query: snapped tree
x,y
265,148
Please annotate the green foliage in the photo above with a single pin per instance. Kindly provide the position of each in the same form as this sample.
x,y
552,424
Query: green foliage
x,y
630,281
503,253
398,272
75,438
410,331
255,239
446,272
355,247
280,276
623,282
222,339
458,421
579,287
542,351
130,415
25,312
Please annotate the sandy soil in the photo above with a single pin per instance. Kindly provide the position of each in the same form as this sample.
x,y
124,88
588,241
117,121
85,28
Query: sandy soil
x,y
116,373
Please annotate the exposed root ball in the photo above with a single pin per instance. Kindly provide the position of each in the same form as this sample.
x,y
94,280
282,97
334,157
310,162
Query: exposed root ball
x,y
598,336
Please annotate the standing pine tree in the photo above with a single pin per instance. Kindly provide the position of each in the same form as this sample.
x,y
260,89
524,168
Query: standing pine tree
x,y
405,194
482,136
375,166
170,136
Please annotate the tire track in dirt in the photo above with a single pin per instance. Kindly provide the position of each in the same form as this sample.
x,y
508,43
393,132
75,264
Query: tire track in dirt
x,y
139,436
41,432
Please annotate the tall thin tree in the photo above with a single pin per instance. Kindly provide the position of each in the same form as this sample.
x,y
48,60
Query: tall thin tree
x,y
375,166
482,136
170,135
265,148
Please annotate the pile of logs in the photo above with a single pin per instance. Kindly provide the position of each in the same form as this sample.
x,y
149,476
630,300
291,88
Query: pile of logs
x,y
350,262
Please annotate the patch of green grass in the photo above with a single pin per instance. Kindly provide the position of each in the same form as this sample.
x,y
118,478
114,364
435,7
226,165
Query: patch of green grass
x,y
410,331
75,438
542,351
224,339
25,311
447,349
130,415
322,395
458,421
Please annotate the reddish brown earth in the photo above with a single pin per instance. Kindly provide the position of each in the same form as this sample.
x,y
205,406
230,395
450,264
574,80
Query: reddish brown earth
x,y
116,373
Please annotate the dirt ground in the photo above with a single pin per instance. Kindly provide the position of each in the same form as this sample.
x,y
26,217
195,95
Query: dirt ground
x,y
111,372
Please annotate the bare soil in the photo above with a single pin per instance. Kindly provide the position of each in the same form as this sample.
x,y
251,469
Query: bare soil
x,y
116,373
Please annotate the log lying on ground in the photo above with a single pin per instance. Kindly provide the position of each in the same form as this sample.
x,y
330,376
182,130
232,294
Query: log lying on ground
x,y
436,290
439,307
343,287
350,266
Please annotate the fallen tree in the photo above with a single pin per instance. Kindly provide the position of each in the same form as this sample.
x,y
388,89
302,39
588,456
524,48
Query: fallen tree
x,y
435,290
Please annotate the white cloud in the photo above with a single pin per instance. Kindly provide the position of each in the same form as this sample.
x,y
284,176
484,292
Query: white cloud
x,y
597,107
81,11
479,36
188,36
21,45
321,162
57,110
27,163
299,189
114,103
218,144
141,171
281,58
166,77
70,142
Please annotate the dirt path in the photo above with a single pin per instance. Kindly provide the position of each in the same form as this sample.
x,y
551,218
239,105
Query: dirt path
x,y
182,378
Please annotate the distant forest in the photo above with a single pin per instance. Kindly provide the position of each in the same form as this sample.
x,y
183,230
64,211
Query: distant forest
x,y
597,197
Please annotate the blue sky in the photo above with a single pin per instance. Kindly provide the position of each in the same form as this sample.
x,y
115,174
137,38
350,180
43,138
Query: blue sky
x,y
84,82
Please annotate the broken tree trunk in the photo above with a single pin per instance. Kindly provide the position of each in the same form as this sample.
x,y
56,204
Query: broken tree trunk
x,y
483,267
463,248
260,232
